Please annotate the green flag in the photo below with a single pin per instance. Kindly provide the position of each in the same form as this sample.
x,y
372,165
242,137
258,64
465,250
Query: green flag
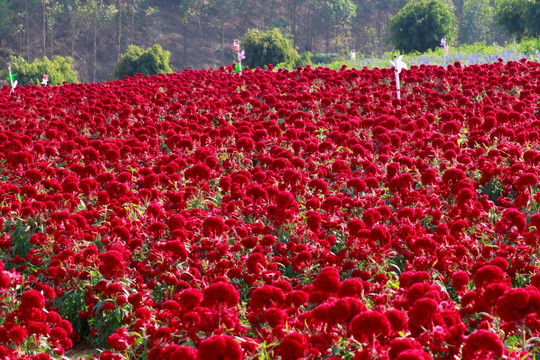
x,y
238,68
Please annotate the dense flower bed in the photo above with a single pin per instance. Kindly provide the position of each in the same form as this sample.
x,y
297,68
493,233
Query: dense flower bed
x,y
305,214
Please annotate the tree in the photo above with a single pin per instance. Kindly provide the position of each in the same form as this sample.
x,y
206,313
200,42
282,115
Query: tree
x,y
220,12
58,69
333,18
268,47
292,8
519,17
187,9
477,21
6,22
96,13
50,11
151,61
421,25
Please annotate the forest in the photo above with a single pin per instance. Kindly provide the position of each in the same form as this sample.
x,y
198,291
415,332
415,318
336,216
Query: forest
x,y
199,33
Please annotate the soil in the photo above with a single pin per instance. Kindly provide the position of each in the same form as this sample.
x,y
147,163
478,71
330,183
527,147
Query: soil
x,y
83,349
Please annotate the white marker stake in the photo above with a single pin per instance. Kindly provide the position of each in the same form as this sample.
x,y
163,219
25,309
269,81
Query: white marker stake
x,y
10,77
12,83
398,65
397,86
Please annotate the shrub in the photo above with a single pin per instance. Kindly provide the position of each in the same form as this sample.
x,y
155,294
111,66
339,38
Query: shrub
x,y
421,25
519,18
305,59
325,58
151,61
58,68
268,47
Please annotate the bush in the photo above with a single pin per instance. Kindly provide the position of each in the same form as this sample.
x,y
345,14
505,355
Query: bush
x,y
530,47
421,25
325,58
59,70
519,18
305,59
268,47
151,61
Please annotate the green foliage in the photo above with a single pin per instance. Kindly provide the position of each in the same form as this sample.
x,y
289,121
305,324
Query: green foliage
x,y
530,46
151,61
520,18
324,58
268,47
466,54
477,21
334,16
58,68
305,59
421,25
6,21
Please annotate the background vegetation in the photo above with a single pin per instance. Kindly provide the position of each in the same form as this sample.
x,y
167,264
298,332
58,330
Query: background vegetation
x,y
268,47
58,69
151,61
199,33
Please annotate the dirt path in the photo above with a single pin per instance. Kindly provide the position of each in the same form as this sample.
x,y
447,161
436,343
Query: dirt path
x,y
83,350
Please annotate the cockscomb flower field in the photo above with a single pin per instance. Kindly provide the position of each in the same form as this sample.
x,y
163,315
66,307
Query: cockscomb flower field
x,y
274,214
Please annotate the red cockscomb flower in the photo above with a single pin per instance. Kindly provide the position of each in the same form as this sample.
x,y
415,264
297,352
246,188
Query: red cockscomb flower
x,y
220,293
112,264
292,346
328,280
482,344
219,347
369,324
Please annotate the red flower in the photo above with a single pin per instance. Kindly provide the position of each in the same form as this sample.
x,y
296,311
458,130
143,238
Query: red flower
x,y
221,293
177,249
422,311
319,185
352,287
219,347
173,352
190,298
328,280
515,304
525,180
369,324
213,226
488,274
460,279
112,264
399,345
275,317
482,344
199,172
292,346
17,334
31,299
414,354
284,200
21,157
397,319
344,309
266,296
313,221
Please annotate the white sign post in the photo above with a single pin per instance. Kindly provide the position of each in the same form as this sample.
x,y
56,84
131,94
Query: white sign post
x,y
12,84
398,66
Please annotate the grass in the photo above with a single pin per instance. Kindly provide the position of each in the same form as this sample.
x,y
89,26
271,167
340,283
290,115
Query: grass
x,y
478,53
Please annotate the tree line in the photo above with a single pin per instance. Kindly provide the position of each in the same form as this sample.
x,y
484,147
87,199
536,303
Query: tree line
x,y
199,33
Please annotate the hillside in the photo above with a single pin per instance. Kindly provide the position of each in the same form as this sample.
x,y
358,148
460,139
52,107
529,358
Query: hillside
x,y
199,33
